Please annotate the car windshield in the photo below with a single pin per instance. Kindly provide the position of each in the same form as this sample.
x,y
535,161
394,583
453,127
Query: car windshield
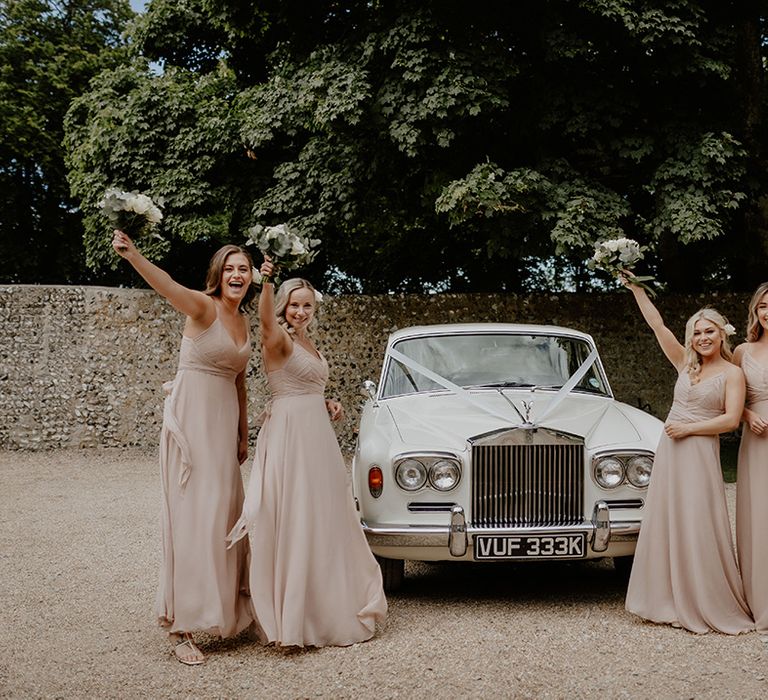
x,y
493,361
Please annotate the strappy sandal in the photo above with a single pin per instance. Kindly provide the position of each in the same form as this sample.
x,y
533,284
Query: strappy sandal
x,y
188,642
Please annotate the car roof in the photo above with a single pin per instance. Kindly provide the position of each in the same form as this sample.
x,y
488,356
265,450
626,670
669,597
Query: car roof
x,y
470,328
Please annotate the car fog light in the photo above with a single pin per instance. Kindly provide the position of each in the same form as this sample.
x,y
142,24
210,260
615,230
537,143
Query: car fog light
x,y
375,481
609,472
639,470
411,474
444,475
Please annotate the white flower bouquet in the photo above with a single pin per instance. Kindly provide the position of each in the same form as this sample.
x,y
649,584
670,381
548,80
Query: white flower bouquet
x,y
618,257
286,248
133,213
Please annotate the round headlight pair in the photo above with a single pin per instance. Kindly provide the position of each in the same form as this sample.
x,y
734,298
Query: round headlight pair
x,y
612,471
443,474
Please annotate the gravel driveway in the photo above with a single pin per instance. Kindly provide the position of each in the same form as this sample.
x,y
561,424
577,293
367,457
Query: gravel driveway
x,y
78,560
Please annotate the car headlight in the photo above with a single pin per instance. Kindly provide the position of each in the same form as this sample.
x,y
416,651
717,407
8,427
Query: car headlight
x,y
411,474
609,472
639,470
444,475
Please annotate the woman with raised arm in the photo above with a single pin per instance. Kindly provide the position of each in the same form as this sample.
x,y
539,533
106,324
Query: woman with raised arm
x,y
313,579
752,483
685,573
204,439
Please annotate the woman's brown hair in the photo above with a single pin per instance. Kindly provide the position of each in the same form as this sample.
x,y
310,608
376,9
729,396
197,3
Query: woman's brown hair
x,y
216,269
754,329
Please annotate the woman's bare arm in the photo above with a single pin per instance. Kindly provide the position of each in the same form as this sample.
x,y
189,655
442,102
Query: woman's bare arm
x,y
242,426
735,392
274,338
194,304
670,345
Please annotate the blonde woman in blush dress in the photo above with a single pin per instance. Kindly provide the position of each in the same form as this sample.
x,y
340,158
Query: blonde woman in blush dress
x,y
313,578
204,439
752,483
685,572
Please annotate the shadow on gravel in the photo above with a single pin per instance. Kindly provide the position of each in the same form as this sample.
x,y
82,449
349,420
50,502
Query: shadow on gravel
x,y
531,582
216,645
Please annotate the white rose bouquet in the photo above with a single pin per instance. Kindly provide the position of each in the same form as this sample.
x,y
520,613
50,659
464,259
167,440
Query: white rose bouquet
x,y
617,257
286,248
133,213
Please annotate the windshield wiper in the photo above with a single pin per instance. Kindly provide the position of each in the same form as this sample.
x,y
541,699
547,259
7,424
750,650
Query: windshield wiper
x,y
517,385
533,387
501,385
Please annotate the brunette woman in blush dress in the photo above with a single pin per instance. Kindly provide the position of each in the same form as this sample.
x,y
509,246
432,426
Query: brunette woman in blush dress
x,y
313,579
752,483
685,573
204,439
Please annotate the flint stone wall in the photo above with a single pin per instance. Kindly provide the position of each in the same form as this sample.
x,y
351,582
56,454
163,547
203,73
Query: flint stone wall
x,y
84,366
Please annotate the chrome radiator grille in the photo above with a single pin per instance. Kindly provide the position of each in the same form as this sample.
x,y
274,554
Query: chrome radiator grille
x,y
527,485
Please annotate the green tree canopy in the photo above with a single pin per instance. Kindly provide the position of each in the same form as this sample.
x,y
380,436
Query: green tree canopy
x,y
49,51
442,144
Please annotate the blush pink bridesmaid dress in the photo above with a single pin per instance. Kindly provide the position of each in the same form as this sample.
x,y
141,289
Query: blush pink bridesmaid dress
x,y
203,585
314,581
685,571
752,497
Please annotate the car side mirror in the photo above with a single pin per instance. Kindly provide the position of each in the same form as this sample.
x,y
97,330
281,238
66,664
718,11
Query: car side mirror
x,y
369,389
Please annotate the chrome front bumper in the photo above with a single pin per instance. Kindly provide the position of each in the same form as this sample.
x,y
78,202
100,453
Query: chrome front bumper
x,y
458,535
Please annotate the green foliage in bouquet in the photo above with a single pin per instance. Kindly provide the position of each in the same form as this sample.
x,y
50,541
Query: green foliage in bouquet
x,y
618,258
286,248
133,213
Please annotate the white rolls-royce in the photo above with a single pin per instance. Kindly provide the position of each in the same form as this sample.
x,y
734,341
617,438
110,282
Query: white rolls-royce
x,y
499,442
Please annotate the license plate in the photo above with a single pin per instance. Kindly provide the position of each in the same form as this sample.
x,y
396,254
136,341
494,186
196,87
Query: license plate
x,y
572,546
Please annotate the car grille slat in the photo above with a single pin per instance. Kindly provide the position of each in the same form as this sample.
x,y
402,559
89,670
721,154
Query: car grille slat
x,y
527,485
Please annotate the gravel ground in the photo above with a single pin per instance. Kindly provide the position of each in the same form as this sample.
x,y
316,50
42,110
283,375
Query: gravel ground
x,y
79,551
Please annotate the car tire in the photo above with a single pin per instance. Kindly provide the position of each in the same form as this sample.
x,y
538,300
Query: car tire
x,y
623,566
392,573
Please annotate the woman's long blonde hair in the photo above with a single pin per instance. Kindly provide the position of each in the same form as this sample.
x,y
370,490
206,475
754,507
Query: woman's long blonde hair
x,y
284,294
692,358
754,329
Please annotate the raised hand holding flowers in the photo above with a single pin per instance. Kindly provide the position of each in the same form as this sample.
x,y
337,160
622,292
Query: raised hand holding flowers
x,y
133,213
618,257
285,248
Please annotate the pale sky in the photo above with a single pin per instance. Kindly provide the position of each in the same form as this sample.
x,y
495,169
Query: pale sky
x,y
138,5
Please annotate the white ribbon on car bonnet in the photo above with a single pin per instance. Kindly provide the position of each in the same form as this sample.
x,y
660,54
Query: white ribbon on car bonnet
x,y
465,396
573,380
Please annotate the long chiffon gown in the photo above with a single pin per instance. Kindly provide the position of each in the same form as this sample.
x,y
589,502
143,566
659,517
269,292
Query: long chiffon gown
x,y
203,585
314,581
685,568
752,497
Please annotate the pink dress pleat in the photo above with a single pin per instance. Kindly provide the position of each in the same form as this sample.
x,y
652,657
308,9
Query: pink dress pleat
x,y
752,497
203,585
314,581
685,568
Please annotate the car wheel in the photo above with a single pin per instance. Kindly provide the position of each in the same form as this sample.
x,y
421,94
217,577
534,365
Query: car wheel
x,y
623,566
392,573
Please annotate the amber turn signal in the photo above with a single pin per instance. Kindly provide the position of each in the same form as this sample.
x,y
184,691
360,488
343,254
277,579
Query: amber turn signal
x,y
375,481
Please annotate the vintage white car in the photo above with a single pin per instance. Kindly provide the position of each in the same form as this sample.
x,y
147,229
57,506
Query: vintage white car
x,y
499,442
